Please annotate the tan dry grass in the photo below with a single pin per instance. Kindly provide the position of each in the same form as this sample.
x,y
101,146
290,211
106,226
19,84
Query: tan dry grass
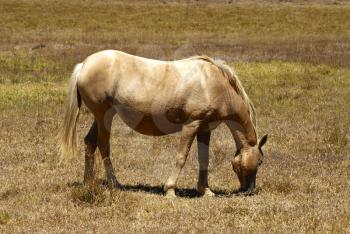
x,y
303,185
70,30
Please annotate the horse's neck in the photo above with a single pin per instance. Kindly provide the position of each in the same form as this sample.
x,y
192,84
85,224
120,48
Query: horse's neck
x,y
243,123
247,130
250,133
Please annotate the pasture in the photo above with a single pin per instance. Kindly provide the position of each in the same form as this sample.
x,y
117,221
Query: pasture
x,y
293,60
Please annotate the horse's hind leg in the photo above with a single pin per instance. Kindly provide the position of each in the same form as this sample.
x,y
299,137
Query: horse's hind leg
x,y
104,129
188,133
91,145
203,139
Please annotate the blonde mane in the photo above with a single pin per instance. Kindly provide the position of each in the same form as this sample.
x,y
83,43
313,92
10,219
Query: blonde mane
x,y
235,82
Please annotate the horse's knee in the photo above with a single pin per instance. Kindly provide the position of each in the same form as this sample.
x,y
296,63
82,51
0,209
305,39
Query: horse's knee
x,y
181,161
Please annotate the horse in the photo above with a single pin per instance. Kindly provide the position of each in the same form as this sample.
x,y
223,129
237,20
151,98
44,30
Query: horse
x,y
191,96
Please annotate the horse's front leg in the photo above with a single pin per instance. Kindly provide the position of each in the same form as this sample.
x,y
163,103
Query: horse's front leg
x,y
203,139
188,133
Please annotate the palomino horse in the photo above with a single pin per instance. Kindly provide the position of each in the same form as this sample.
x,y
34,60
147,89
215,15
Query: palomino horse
x,y
192,96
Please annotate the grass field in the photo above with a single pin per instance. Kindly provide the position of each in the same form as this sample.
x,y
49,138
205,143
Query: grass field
x,y
292,57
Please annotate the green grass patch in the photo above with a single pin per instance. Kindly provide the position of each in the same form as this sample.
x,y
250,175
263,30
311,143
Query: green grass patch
x,y
31,97
27,66
285,84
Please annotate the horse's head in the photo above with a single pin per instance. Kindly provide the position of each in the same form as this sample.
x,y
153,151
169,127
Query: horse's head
x,y
246,163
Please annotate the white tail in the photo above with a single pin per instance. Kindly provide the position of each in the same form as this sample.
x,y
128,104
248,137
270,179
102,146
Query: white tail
x,y
67,134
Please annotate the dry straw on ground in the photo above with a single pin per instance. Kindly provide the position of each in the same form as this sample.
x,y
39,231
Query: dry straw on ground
x,y
293,60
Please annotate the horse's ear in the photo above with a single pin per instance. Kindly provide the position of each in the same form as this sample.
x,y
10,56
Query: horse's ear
x,y
242,139
262,141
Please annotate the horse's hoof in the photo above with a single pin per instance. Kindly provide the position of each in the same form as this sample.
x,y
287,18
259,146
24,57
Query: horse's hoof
x,y
170,193
207,192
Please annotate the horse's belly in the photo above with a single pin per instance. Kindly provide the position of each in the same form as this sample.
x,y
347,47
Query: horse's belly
x,y
148,124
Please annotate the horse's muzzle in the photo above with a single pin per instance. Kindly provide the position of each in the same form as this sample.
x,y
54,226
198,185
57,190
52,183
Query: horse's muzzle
x,y
249,189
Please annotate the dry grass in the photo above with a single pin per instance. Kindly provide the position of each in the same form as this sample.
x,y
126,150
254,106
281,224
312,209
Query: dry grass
x,y
67,32
302,99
